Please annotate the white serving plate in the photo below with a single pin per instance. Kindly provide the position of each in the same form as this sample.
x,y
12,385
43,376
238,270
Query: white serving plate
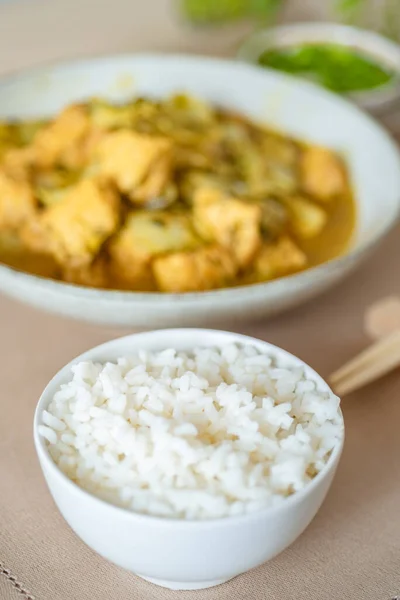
x,y
288,104
175,553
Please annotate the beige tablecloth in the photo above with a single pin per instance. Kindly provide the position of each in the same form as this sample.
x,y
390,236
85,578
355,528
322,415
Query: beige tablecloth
x,y
351,551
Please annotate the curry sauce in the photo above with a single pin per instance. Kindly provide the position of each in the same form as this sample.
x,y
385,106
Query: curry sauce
x,y
169,196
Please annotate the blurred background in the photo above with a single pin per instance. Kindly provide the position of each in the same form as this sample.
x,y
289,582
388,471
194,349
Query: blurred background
x,y
32,31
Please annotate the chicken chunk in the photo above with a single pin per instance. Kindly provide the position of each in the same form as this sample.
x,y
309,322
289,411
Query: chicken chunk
x,y
34,235
17,163
232,223
93,274
73,229
322,174
207,268
17,203
306,218
79,156
61,140
140,165
144,236
155,183
279,259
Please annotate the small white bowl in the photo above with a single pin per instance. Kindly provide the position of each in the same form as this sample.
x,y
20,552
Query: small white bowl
x,y
380,101
179,554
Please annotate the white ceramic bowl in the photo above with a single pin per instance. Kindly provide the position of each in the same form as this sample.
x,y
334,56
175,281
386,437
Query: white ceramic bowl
x,y
181,554
381,101
288,104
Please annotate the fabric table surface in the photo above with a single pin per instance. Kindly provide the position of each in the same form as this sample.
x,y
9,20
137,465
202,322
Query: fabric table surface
x,y
352,548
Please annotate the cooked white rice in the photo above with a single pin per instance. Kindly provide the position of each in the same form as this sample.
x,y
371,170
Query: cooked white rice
x,y
214,433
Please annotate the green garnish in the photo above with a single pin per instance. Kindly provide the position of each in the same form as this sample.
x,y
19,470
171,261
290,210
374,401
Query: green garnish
x,y
338,68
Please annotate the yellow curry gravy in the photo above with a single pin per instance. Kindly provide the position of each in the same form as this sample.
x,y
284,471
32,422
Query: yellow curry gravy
x,y
170,196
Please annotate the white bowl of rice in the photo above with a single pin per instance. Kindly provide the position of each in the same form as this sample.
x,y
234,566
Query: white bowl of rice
x,y
188,456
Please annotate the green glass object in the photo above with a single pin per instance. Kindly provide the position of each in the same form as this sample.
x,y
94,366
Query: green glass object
x,y
337,68
219,11
349,7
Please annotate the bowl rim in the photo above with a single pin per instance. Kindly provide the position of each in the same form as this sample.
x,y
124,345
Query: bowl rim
x,y
381,98
231,337
152,298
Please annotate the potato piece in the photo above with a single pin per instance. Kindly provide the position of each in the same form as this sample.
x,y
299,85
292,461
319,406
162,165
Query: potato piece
x,y
140,165
61,137
322,173
74,228
156,232
17,203
278,259
145,235
234,224
207,268
306,218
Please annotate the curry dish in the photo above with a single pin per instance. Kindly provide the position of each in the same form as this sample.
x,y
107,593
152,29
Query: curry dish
x,y
171,196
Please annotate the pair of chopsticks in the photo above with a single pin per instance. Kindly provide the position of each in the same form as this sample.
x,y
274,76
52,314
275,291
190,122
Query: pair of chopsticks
x,y
382,322
374,362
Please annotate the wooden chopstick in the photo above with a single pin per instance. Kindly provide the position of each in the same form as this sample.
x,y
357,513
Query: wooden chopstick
x,y
366,356
374,362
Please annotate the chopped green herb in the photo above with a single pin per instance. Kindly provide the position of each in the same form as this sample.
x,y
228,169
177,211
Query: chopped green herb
x,y
338,68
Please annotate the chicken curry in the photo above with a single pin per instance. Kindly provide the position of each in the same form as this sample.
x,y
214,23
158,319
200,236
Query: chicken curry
x,y
170,196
